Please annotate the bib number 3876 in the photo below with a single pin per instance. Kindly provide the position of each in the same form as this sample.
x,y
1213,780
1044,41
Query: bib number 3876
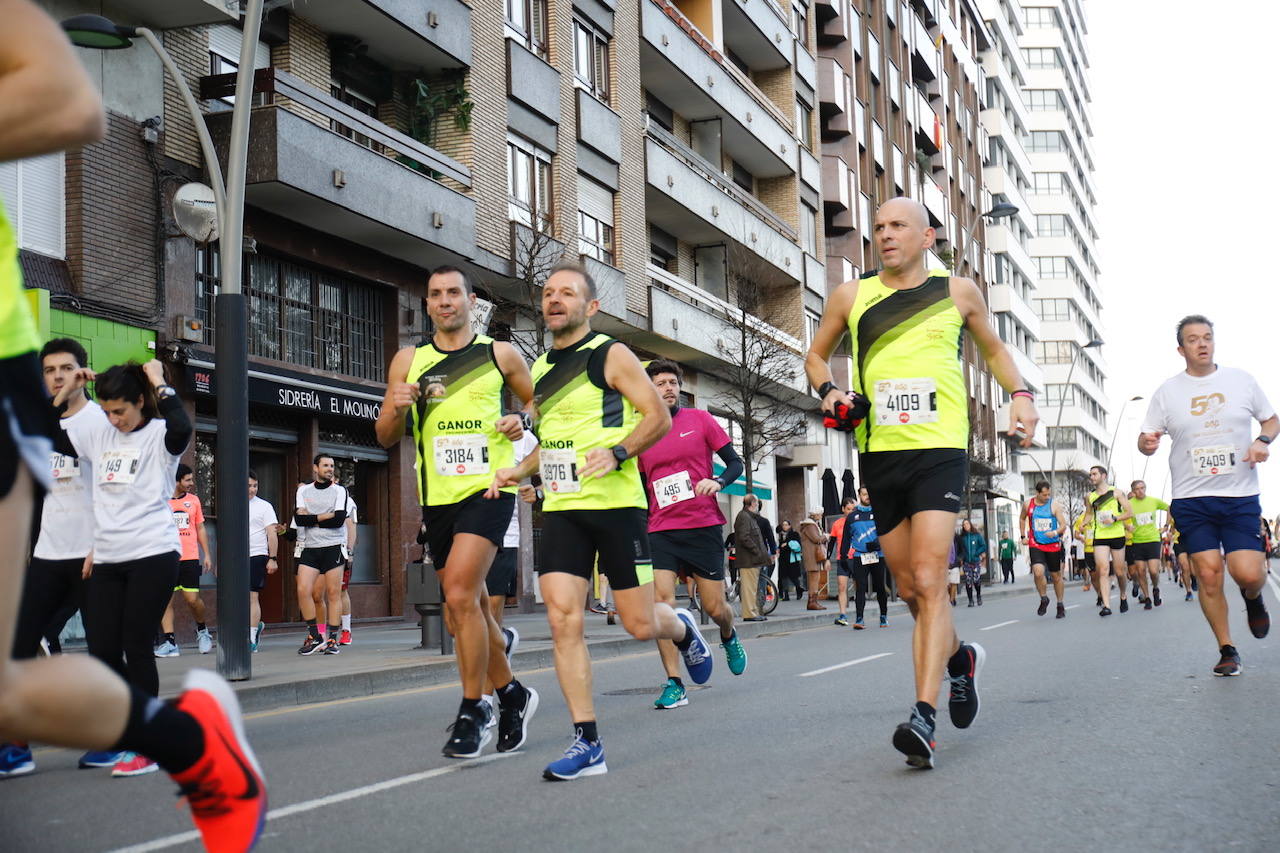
x,y
906,401
559,469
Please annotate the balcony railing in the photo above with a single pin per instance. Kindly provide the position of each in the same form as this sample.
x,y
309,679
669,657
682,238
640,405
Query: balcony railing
x,y
696,162
274,82
696,296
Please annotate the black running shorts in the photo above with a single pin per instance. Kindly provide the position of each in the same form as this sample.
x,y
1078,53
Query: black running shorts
x,y
478,515
1115,544
904,482
574,539
697,551
189,572
322,560
258,572
1143,551
1051,560
501,580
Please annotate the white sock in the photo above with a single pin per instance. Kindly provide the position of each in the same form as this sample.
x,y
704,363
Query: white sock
x,y
253,635
346,622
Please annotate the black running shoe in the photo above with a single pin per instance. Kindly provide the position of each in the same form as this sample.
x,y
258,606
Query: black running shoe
x,y
1259,619
513,721
1155,594
468,736
1146,604
1099,602
1229,663
1124,605
1106,611
331,646
1135,591
311,645
1044,606
963,669
914,739
1062,611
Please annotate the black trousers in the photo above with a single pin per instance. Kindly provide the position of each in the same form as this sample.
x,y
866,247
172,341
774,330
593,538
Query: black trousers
x,y
1006,570
52,591
122,609
874,573
792,572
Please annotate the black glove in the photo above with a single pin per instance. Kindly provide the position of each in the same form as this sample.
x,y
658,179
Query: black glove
x,y
845,417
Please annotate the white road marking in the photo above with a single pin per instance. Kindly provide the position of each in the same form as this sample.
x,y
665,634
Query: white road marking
x,y
999,625
321,802
843,665
1071,607
1275,587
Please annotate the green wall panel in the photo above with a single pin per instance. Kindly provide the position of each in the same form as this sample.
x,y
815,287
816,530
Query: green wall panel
x,y
108,343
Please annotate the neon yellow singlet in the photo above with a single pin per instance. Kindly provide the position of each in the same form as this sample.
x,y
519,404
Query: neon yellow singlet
x,y
906,352
1145,528
1114,530
17,329
457,446
578,412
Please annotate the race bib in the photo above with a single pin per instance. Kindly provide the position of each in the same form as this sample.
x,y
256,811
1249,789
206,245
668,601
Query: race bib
x,y
182,520
906,401
458,455
673,489
559,469
1145,519
1106,519
64,467
1043,525
1211,461
869,558
119,466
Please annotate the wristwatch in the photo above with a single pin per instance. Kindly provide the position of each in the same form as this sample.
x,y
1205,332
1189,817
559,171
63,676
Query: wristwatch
x,y
1265,439
620,454
164,392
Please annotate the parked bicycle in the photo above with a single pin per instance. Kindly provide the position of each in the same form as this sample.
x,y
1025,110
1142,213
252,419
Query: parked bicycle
x,y
766,594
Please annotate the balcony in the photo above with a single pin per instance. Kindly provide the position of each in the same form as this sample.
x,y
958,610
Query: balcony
x,y
833,24
810,170
833,89
1002,298
687,73
403,34
361,181
837,198
924,55
167,14
877,146
758,32
928,126
935,202
1000,240
689,197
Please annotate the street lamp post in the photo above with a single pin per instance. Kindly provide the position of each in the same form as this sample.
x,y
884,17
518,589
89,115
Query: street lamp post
x,y
1115,434
231,356
999,211
1062,401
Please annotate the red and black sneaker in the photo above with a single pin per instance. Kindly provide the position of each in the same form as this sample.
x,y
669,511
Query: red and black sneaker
x,y
914,739
225,788
1228,663
963,669
1259,619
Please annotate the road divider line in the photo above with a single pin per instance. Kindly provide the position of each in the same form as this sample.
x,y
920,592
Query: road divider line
x,y
843,665
999,625
321,802
1275,587
1071,607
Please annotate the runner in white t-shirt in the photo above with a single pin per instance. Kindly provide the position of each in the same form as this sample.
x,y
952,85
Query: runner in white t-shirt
x,y
322,536
349,556
1209,413
263,550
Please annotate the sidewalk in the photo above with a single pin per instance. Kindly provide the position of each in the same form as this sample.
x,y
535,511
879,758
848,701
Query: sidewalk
x,y
386,658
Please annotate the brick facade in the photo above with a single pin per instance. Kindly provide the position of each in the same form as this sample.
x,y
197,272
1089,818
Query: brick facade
x,y
489,122
632,238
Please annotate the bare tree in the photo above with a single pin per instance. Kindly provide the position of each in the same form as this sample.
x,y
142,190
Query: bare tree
x,y
757,363
519,305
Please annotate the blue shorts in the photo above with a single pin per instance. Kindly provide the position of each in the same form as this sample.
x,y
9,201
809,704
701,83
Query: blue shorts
x,y
1207,524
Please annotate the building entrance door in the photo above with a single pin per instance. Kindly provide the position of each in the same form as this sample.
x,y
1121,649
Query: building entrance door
x,y
269,466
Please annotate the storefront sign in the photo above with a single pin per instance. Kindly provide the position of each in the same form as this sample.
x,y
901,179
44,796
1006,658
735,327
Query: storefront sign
x,y
298,396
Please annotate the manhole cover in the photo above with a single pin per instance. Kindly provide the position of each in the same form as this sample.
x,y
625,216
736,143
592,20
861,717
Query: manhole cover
x,y
773,634
647,691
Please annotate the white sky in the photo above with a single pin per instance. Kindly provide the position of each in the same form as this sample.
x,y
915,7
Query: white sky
x,y
1184,123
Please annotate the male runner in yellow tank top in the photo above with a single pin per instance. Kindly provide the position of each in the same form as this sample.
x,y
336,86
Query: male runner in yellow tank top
x,y
451,389
597,411
906,325
1106,509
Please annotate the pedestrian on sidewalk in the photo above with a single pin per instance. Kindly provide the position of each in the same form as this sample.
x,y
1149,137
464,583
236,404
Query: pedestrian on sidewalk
x,y
790,560
814,539
196,557
751,553
1008,550
973,553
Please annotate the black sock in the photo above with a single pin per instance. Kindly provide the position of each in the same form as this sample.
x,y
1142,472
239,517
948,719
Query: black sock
x,y
513,691
312,630
588,730
683,644
169,638
732,634
200,626
677,681
334,631
470,707
928,712
158,730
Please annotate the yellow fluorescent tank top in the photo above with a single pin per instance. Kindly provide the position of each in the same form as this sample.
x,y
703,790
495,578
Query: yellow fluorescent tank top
x,y
906,355
578,412
458,448
1106,504
17,329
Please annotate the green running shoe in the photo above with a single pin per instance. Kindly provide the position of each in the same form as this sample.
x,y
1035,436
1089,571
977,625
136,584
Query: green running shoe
x,y
673,696
735,654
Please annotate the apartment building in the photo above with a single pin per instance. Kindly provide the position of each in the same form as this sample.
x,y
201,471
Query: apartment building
x,y
670,146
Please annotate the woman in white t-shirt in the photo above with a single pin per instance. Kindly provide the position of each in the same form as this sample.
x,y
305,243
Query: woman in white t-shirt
x,y
134,455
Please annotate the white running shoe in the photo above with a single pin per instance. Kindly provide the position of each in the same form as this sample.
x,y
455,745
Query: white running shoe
x,y
206,641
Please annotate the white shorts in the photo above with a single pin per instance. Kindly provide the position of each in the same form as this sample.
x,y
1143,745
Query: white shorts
x,y
953,575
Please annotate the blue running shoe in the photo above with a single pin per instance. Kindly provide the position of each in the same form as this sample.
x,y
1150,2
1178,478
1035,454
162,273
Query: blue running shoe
x,y
15,760
100,758
582,758
884,621
735,654
697,657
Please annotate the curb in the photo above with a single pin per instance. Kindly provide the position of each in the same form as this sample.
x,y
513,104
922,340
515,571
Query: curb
x,y
268,697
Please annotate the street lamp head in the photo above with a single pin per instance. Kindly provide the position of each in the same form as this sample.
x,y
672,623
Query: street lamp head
x,y
97,32
1001,210
1093,344
1136,397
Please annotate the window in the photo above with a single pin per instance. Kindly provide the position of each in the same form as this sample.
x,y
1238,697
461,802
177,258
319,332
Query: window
x,y
742,177
1052,225
873,56
34,193
1054,352
360,103
1053,309
804,124
591,59
1041,18
800,24
1040,100
527,24
1063,438
1046,140
306,316
808,229
1049,183
1042,57
1053,267
595,220
224,58
528,184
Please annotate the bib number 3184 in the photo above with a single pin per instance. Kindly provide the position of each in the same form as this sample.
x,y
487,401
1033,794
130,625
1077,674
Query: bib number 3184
x,y
906,401
559,469
458,455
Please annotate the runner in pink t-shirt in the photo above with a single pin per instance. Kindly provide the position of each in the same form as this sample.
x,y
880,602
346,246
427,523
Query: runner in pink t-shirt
x,y
685,522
